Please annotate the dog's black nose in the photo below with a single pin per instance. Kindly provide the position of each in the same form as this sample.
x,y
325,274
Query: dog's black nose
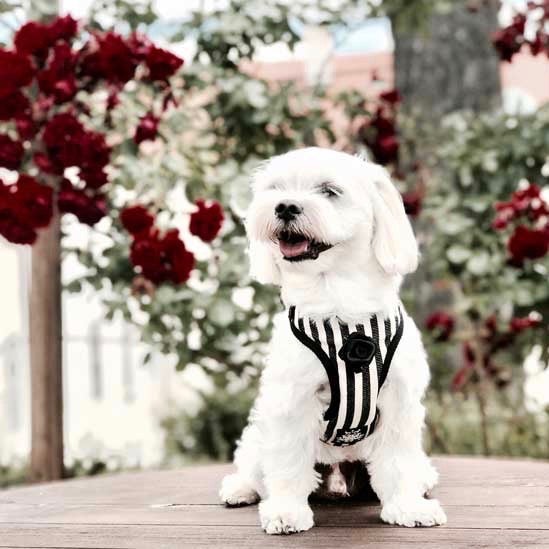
x,y
287,212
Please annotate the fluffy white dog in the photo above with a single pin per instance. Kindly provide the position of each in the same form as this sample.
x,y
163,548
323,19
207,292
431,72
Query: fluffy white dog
x,y
347,370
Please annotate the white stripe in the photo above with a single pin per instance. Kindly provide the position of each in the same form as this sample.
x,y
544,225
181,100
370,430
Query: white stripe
x,y
307,327
373,391
341,370
358,398
384,345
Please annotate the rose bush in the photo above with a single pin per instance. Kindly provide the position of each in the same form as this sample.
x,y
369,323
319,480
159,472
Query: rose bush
x,y
49,77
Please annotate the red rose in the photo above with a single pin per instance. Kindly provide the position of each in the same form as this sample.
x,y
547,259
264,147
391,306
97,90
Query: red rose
x,y
145,253
392,97
519,324
161,63
412,203
206,222
11,152
113,60
94,153
17,233
140,45
527,243
180,259
26,128
62,136
24,206
161,259
460,378
63,28
441,323
11,228
383,124
136,219
147,128
94,179
13,105
34,201
16,71
507,43
385,149
33,38
88,209
69,144
58,80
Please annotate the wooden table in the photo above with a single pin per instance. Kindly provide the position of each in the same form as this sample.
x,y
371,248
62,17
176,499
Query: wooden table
x,y
489,503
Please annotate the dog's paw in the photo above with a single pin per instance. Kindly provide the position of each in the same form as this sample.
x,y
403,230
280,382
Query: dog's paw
x,y
285,516
413,512
430,478
236,490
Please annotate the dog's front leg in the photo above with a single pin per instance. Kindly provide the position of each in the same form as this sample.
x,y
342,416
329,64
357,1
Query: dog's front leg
x,y
401,473
290,434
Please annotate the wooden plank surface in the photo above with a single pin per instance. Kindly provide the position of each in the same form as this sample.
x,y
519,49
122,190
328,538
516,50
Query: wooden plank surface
x,y
489,503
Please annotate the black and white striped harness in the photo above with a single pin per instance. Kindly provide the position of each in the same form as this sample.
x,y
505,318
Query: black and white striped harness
x,y
356,358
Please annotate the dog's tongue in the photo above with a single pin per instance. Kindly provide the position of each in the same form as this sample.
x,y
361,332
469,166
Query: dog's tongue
x,y
293,250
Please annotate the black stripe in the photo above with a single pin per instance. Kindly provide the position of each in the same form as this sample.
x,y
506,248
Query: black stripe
x,y
349,372
333,357
393,344
316,348
387,323
365,387
375,336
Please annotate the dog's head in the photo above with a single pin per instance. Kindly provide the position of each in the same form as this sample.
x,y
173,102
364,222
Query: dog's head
x,y
314,210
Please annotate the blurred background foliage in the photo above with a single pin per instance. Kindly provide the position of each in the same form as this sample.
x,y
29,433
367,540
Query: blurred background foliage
x,y
453,163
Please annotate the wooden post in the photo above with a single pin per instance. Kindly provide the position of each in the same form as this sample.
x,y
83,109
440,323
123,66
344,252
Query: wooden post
x,y
45,331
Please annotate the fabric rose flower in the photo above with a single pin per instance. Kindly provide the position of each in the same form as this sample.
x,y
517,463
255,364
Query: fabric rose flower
x,y
206,221
357,351
11,152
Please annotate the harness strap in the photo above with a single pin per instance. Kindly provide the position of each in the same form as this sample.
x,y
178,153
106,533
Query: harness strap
x,y
344,375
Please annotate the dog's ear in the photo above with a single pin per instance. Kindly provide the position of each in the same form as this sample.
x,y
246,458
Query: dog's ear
x,y
394,243
263,266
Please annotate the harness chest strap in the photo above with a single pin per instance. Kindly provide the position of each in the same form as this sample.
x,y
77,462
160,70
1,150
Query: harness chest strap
x,y
356,358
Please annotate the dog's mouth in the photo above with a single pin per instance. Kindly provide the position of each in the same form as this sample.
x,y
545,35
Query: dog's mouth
x,y
297,247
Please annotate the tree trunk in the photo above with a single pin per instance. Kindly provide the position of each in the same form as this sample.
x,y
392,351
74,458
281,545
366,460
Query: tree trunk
x,y
449,63
45,356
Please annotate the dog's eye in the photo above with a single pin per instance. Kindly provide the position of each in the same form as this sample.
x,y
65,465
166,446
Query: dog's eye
x,y
329,192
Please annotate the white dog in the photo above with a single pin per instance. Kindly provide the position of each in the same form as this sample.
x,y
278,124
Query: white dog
x,y
346,370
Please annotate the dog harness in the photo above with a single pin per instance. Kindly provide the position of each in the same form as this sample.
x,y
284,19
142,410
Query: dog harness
x,y
356,358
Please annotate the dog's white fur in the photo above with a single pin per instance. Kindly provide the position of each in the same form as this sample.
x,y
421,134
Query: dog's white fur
x,y
373,247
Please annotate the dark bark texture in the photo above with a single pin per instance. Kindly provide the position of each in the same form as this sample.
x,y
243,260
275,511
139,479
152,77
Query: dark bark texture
x,y
449,63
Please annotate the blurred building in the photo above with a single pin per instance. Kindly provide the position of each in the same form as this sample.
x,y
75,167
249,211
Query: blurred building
x,y
365,62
